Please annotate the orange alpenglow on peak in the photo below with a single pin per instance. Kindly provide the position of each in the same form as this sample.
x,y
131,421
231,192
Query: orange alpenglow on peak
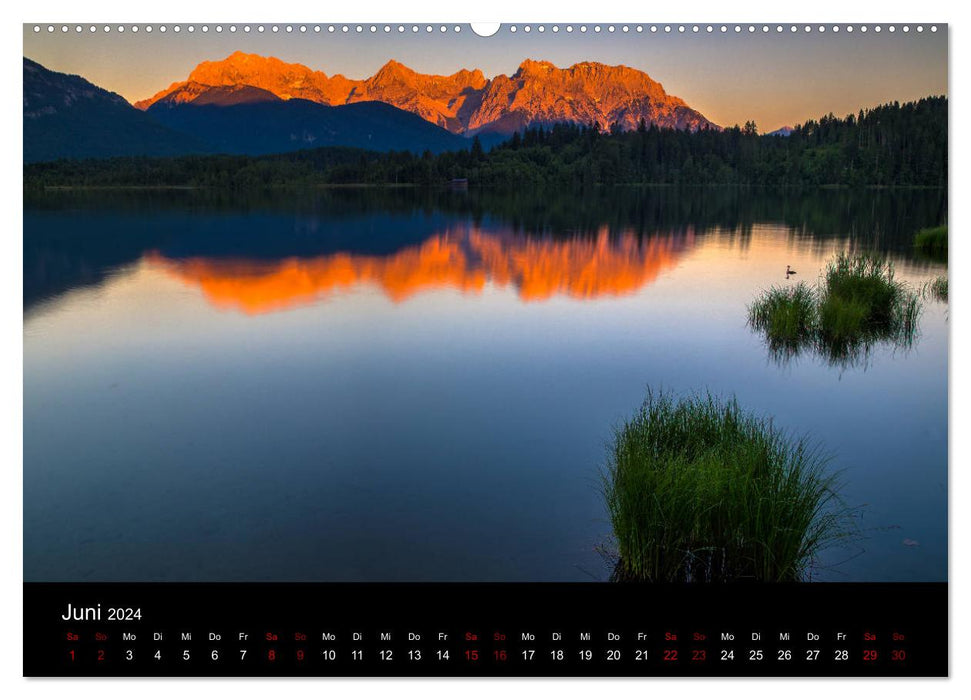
x,y
285,80
465,102
538,268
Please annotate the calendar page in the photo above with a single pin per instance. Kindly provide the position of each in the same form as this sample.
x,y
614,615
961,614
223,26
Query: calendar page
x,y
485,350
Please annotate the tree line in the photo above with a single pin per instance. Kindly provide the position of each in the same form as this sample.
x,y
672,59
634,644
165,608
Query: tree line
x,y
890,145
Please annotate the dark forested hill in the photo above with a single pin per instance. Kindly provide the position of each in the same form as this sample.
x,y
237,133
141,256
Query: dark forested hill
x,y
891,145
65,116
260,126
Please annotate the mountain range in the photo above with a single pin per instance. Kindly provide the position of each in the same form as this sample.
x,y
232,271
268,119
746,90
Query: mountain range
x,y
254,105
65,116
465,102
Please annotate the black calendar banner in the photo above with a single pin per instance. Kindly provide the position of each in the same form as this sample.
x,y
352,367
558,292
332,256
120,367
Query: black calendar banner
x,y
485,630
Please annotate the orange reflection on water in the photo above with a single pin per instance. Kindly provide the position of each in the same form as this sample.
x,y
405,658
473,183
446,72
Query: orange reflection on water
x,y
538,267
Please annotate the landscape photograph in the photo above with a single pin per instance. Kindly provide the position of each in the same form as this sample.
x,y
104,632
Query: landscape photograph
x,y
591,303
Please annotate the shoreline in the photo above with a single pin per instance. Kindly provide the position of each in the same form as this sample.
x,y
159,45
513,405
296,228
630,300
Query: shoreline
x,y
445,186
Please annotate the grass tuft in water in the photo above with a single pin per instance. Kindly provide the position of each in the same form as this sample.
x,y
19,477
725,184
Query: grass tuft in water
x,y
932,242
787,316
857,303
699,490
936,289
862,303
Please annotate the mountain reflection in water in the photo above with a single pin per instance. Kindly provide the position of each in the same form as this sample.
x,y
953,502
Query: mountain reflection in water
x,y
539,268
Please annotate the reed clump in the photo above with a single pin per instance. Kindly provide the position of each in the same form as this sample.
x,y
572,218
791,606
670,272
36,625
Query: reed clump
x,y
787,316
861,303
936,289
932,242
699,490
858,302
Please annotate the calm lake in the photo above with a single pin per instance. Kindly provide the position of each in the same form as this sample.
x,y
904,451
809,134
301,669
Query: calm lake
x,y
371,385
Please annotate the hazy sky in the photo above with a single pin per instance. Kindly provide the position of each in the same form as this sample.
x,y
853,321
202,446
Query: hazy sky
x,y
775,78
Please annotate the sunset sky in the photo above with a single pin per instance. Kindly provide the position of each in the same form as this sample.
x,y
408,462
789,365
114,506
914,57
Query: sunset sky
x,y
774,78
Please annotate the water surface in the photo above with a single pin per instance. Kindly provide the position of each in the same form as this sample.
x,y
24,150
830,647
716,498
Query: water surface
x,y
408,385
